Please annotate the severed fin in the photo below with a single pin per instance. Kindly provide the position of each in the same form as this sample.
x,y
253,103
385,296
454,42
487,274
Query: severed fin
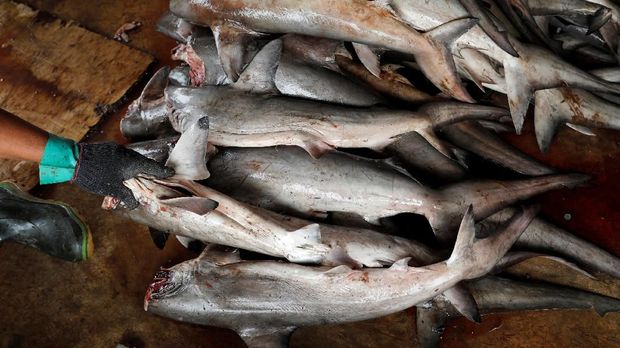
x,y
430,323
315,146
581,129
235,46
488,26
220,255
463,301
339,256
189,156
442,71
339,269
401,265
259,76
197,205
368,58
159,237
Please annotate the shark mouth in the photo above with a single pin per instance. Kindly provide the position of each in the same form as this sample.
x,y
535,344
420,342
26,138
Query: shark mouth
x,y
158,287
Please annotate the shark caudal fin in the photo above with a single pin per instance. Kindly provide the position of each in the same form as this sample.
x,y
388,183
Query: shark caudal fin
x,y
437,63
539,69
473,257
558,106
490,196
441,113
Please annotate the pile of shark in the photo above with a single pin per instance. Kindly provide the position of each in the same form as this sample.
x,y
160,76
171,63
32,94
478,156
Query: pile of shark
x,y
298,130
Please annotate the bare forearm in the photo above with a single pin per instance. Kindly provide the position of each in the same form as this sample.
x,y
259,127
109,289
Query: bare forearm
x,y
20,139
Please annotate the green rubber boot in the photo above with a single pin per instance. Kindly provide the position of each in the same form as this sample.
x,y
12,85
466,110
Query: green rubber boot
x,y
49,226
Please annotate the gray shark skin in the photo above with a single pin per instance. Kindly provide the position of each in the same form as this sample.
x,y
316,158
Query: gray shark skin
x,y
419,157
268,298
496,294
558,106
174,27
238,118
212,217
535,69
351,20
296,79
474,138
544,237
278,179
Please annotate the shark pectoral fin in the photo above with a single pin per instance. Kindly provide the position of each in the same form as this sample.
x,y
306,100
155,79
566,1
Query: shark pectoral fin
x,y
430,324
401,265
188,158
581,129
159,237
220,255
259,76
314,146
339,256
233,43
520,92
437,143
190,243
548,115
197,205
438,65
368,58
463,301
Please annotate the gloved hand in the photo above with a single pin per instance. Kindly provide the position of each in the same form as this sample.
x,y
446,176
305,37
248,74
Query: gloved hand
x,y
102,168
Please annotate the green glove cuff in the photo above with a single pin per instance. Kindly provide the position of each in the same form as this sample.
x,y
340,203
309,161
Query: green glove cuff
x,y
59,160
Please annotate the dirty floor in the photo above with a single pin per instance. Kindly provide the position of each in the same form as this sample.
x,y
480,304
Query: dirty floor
x,y
98,303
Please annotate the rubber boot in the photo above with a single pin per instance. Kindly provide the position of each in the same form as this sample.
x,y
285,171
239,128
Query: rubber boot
x,y
51,227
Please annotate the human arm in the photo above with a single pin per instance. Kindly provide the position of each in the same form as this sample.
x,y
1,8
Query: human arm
x,y
98,168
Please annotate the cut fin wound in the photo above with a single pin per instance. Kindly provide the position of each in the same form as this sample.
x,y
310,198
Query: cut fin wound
x,y
259,76
188,158
233,41
368,58
442,71
463,301
159,237
197,205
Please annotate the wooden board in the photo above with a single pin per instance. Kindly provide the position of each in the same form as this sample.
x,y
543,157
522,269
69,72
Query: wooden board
x,y
59,76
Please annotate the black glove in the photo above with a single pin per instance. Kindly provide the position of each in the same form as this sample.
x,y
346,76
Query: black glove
x,y
102,168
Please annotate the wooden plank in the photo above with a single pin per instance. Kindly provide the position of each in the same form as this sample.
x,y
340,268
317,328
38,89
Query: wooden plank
x,y
59,76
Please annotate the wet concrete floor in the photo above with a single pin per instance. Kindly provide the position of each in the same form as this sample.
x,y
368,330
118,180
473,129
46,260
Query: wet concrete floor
x,y
98,303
